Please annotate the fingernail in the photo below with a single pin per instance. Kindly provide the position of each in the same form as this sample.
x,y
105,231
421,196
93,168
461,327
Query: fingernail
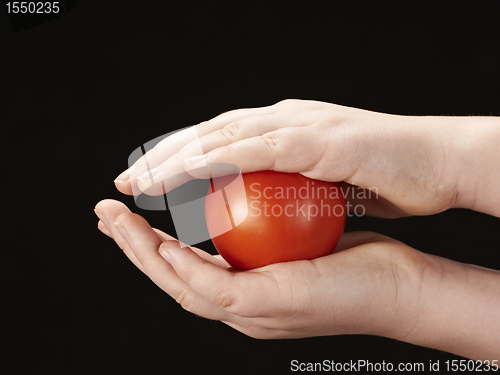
x,y
195,161
102,227
101,216
121,229
145,177
144,184
151,175
165,254
124,176
166,248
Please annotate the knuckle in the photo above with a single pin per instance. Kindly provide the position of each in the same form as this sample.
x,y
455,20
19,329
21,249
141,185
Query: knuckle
x,y
236,304
231,131
270,139
225,300
185,299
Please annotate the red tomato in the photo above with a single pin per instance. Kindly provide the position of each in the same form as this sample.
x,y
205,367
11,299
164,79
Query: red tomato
x,y
277,217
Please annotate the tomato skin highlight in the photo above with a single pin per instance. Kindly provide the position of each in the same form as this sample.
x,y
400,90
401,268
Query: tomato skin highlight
x,y
290,217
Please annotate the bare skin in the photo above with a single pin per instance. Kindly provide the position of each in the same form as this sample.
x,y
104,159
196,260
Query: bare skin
x,y
421,165
375,284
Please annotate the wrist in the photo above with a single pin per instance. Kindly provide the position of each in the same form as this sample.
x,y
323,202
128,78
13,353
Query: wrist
x,y
451,162
474,157
392,299
455,310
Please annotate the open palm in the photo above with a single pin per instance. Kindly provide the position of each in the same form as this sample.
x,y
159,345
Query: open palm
x,y
355,290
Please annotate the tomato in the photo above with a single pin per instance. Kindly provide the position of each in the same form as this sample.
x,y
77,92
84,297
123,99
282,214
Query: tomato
x,y
277,217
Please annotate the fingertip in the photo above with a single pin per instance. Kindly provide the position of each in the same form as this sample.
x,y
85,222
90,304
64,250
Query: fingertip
x,y
103,228
107,204
124,176
121,229
124,187
165,254
122,216
195,162
169,246
154,185
127,225
145,183
199,170
123,182
127,219
175,253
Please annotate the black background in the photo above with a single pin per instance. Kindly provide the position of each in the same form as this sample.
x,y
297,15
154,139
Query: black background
x,y
80,92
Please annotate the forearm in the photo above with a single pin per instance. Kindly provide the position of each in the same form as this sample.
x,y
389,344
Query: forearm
x,y
458,310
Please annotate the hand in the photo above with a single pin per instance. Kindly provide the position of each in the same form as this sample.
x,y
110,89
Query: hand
x,y
373,285
360,289
409,162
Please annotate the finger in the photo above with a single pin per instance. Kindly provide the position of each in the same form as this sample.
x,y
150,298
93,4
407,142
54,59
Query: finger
x,y
255,124
248,127
280,150
126,182
164,236
103,228
165,174
238,293
113,209
161,179
215,259
108,210
226,118
137,232
236,130
145,243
